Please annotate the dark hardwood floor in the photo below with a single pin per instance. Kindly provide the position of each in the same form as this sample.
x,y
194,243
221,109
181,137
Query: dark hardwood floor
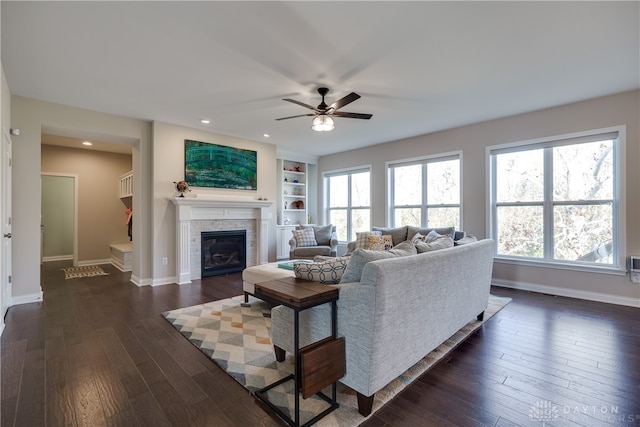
x,y
97,352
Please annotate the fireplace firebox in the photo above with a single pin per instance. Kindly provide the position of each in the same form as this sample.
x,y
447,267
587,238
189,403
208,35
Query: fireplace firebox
x,y
223,252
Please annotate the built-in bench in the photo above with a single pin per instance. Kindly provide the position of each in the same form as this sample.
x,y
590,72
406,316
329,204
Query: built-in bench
x,y
122,256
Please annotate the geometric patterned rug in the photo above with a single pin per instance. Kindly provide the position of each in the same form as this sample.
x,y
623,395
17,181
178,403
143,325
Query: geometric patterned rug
x,y
237,339
86,271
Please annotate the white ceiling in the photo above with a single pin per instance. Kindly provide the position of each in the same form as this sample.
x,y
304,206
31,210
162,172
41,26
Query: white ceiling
x,y
419,66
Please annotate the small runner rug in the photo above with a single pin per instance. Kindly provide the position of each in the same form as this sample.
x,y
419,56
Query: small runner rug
x,y
86,271
237,339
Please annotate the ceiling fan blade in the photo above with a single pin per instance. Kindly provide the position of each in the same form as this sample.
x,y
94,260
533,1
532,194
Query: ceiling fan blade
x,y
302,104
352,115
293,117
344,101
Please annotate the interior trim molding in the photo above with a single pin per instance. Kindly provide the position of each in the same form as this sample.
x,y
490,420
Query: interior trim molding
x,y
571,293
26,299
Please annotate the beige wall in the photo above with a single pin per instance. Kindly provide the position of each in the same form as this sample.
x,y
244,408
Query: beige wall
x,y
101,217
34,117
168,166
621,109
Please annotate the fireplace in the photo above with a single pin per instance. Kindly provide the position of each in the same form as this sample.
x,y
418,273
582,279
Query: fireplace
x,y
223,252
195,215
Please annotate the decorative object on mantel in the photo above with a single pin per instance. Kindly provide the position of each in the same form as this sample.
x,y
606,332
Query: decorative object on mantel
x,y
262,198
182,187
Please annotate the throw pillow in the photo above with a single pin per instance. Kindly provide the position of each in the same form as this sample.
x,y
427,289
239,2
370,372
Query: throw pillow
x,y
412,230
417,238
465,240
360,257
398,234
305,237
330,271
323,234
362,238
380,243
433,235
441,242
405,248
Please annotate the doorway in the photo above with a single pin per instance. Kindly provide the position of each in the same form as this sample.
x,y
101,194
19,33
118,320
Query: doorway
x,y
59,217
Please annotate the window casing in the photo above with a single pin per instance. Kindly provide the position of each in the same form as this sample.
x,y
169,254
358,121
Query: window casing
x,y
558,200
426,192
348,201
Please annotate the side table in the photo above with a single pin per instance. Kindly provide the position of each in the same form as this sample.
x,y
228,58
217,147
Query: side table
x,y
300,295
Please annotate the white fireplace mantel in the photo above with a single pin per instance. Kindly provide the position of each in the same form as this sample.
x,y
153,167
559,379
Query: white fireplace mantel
x,y
217,208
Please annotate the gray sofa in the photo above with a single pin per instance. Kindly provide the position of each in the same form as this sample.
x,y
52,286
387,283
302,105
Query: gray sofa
x,y
401,309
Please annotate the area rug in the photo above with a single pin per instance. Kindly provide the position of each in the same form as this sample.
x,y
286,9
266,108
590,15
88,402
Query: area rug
x,y
237,339
86,271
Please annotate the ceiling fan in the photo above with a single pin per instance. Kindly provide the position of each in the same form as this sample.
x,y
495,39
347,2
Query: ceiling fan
x,y
323,113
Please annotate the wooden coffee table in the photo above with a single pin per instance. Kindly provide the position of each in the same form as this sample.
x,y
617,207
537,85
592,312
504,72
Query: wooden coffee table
x,y
327,356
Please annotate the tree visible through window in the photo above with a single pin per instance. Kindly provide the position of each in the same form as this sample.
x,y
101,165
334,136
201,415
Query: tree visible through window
x,y
557,200
426,193
349,202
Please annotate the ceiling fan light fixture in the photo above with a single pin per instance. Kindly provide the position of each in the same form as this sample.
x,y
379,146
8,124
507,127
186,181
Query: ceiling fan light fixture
x,y
322,123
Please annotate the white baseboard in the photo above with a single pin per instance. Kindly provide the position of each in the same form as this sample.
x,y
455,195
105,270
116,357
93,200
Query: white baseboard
x,y
140,282
571,293
94,262
57,258
119,265
164,281
26,299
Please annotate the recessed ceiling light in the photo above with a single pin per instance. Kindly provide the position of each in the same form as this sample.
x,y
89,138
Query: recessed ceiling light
x,y
87,143
205,121
266,135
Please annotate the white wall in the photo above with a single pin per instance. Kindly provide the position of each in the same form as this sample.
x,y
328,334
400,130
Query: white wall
x,y
620,109
33,117
168,166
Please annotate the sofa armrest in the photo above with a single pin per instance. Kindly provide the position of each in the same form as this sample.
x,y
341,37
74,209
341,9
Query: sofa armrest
x,y
334,241
293,243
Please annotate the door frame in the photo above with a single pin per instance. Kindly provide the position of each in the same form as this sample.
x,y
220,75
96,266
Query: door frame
x,y
75,208
5,224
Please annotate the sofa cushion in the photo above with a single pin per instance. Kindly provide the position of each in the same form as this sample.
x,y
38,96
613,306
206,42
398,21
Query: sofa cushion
x,y
362,238
380,243
441,242
360,257
398,234
305,237
330,271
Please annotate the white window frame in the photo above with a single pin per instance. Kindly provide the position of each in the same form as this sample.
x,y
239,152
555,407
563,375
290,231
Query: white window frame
x,y
349,172
619,202
423,160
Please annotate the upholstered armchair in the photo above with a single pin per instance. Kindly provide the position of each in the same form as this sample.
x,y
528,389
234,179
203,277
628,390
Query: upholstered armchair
x,y
311,240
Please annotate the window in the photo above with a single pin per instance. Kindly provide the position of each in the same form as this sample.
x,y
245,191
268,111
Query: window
x,y
349,202
426,192
557,200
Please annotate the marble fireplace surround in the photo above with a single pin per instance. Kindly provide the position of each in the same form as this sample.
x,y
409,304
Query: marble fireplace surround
x,y
192,212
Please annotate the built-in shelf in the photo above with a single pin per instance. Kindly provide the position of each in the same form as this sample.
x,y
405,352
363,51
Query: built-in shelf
x,y
292,190
126,185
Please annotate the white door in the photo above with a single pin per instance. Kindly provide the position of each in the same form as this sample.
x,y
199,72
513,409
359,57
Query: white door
x,y
5,217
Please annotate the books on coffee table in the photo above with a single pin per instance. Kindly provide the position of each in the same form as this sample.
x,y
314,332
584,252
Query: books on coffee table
x,y
289,264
